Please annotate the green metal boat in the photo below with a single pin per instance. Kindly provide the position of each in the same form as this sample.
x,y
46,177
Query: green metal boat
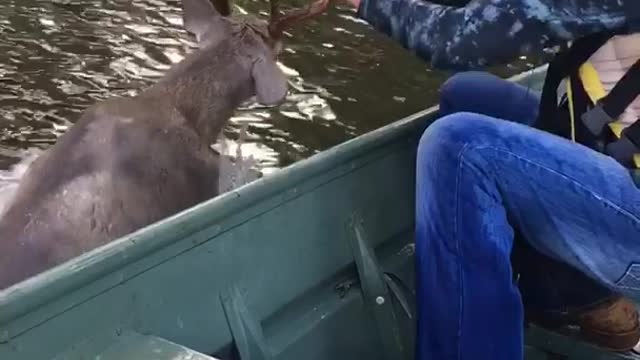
x,y
312,262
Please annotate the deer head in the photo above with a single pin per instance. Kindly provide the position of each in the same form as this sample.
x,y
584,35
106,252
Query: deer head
x,y
257,40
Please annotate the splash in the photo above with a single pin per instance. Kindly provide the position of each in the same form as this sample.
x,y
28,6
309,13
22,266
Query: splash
x,y
235,169
10,179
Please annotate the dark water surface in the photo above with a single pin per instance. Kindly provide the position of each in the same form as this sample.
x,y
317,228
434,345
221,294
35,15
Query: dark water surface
x,y
58,57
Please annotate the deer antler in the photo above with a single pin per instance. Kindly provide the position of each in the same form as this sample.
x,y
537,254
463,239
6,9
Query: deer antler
x,y
278,23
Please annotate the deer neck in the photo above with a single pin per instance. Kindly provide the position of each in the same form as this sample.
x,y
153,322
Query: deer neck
x,y
206,96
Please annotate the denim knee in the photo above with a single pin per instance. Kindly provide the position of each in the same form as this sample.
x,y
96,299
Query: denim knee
x,y
458,82
450,132
446,141
458,87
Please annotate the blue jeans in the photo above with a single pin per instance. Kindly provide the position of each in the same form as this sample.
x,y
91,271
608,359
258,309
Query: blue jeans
x,y
481,181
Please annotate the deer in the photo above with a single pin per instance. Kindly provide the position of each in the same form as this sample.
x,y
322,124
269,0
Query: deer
x,y
128,162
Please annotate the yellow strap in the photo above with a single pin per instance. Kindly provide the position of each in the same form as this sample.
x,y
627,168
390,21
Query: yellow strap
x,y
594,89
591,82
571,114
616,128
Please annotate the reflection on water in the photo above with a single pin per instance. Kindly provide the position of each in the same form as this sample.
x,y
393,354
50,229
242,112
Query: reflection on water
x,y
57,57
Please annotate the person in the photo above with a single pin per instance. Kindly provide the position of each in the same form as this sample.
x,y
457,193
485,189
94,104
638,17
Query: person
x,y
526,206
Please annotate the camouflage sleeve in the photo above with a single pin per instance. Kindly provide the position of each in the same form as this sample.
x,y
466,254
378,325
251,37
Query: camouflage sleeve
x,y
487,32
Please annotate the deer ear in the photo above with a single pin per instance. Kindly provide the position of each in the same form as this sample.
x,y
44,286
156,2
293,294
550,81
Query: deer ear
x,y
204,20
270,82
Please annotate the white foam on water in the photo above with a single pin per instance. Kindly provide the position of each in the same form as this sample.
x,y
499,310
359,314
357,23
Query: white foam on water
x,y
9,179
235,168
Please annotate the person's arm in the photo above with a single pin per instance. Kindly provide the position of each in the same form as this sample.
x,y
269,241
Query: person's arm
x,y
487,32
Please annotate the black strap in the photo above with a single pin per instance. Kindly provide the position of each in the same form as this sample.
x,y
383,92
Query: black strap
x,y
564,64
629,144
623,93
610,107
581,104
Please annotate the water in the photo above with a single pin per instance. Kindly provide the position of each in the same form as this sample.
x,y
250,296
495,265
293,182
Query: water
x,y
58,57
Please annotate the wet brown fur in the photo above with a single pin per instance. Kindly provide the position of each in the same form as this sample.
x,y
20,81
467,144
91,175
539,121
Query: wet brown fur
x,y
129,162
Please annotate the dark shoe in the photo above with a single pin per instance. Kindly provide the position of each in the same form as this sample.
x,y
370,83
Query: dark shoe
x,y
612,324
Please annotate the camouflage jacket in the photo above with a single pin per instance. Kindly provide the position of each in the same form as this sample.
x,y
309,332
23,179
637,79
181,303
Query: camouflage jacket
x,y
488,32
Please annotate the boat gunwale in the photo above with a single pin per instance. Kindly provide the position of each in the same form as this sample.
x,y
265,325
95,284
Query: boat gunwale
x,y
44,287
50,285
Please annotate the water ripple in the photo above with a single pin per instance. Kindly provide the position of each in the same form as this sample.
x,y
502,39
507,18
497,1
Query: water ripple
x,y
59,56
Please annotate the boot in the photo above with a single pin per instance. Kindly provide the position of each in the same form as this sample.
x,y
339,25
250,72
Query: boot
x,y
612,324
